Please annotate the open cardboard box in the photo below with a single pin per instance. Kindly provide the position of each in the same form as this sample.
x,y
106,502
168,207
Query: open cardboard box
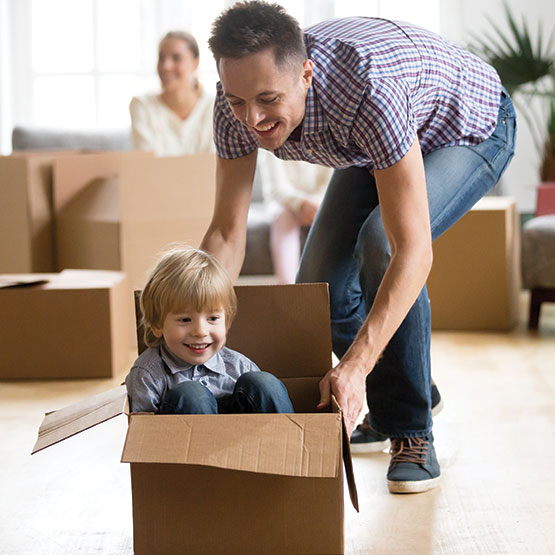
x,y
246,483
118,211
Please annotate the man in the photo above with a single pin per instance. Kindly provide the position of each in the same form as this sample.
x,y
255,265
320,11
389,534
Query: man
x,y
418,130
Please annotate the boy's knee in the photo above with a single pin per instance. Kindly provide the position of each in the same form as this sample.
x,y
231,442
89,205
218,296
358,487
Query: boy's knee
x,y
189,398
258,380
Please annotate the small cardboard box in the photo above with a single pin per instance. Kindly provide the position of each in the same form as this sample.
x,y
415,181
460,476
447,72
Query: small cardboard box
x,y
475,279
26,213
118,211
246,483
68,325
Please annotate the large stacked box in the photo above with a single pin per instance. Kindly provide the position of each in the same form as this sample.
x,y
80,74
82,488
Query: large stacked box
x,y
117,211
69,325
26,213
475,279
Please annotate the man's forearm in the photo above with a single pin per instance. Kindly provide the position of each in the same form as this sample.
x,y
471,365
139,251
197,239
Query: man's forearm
x,y
230,252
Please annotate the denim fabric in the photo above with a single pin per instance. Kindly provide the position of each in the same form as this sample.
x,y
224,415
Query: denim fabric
x,y
254,392
348,248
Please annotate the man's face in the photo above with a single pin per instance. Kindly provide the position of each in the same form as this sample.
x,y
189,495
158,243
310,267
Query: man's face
x,y
267,98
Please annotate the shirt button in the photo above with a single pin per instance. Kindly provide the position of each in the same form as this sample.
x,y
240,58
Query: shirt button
x,y
309,151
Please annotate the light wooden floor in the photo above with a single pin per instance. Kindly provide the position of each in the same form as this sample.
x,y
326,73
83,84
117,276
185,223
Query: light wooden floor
x,y
494,439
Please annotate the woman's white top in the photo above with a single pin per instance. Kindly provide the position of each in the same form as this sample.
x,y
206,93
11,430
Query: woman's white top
x,y
155,127
289,183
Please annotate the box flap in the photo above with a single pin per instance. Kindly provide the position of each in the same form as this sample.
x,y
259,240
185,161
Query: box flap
x,y
292,335
23,280
61,424
66,279
347,460
285,444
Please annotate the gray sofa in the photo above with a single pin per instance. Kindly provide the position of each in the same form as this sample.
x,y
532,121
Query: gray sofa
x,y
258,260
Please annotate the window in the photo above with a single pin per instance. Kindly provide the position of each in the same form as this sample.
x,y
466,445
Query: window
x,y
77,63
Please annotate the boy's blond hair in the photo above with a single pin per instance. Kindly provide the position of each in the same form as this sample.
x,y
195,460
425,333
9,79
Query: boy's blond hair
x,y
185,279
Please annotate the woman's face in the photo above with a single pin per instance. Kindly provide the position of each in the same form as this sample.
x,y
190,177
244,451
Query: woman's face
x,y
176,64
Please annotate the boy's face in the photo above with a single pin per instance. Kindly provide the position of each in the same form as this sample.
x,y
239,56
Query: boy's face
x,y
194,336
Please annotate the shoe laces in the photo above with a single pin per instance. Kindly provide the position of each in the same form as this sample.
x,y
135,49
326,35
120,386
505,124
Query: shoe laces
x,y
409,449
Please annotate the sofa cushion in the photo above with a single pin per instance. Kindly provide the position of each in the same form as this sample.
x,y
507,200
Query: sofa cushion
x,y
42,138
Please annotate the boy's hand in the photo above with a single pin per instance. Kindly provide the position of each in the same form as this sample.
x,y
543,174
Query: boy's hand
x,y
347,381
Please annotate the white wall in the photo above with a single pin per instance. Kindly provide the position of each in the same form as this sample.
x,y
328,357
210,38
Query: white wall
x,y
460,18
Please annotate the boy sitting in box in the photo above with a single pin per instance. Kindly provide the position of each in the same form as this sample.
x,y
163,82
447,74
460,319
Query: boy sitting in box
x,y
188,305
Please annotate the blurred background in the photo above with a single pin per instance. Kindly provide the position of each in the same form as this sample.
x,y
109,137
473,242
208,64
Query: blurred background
x,y
76,64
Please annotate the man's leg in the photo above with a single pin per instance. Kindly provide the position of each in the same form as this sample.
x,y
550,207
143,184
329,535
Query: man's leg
x,y
260,392
456,177
189,398
328,255
399,387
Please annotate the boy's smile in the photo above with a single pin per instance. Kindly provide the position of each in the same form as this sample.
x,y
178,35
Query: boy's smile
x,y
194,337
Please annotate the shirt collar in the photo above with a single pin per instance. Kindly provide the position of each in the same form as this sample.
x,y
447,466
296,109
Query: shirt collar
x,y
175,364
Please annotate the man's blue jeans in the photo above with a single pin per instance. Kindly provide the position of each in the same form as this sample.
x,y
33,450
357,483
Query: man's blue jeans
x,y
254,392
348,248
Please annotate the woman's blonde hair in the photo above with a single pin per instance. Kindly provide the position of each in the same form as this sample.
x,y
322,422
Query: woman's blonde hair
x,y
185,279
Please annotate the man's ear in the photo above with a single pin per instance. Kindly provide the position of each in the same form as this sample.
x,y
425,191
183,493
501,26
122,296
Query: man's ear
x,y
308,69
157,332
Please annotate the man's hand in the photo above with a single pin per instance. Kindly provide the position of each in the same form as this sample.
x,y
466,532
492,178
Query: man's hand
x,y
347,381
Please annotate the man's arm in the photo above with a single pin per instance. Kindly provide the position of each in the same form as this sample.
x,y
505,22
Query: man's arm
x,y
406,219
226,236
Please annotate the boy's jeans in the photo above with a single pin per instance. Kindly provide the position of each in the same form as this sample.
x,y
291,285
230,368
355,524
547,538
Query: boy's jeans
x,y
347,247
254,392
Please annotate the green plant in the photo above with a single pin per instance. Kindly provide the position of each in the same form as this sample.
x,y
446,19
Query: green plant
x,y
527,70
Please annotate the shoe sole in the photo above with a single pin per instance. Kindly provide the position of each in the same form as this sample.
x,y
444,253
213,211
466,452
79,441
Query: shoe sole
x,y
418,486
370,446
438,408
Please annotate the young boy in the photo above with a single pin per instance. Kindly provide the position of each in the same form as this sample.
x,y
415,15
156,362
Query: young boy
x,y
188,305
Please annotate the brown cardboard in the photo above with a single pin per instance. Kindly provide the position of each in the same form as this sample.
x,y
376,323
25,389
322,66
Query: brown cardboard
x,y
475,279
118,211
256,483
26,213
61,424
73,326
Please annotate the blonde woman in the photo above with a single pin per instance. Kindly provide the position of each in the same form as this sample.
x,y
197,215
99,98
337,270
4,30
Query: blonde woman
x,y
178,120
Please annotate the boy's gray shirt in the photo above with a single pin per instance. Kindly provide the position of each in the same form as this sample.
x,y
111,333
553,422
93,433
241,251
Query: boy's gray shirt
x,y
157,370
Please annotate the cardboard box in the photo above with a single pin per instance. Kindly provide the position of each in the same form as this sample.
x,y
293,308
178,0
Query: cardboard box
x,y
68,325
118,211
248,483
26,213
475,279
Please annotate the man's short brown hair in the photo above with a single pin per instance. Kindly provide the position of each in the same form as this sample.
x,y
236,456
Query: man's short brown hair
x,y
251,27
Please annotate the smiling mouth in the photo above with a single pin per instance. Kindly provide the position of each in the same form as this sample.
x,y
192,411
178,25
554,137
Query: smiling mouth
x,y
198,347
266,129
